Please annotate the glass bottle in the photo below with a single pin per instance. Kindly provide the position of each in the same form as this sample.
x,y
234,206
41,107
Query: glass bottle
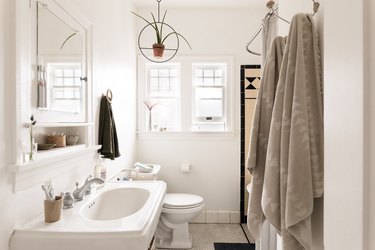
x,y
33,150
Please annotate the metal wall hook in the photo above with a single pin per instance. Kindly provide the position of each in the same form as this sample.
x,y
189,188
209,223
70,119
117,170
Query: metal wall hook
x,y
316,6
273,11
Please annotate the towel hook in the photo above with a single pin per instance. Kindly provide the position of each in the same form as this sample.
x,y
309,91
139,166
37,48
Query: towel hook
x,y
316,6
109,95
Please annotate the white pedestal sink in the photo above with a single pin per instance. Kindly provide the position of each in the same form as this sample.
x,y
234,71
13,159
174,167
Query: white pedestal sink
x,y
118,216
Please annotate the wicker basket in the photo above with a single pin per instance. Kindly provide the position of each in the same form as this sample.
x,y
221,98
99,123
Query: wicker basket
x,y
59,140
72,139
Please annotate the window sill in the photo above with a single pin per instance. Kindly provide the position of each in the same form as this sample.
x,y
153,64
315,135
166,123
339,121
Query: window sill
x,y
192,135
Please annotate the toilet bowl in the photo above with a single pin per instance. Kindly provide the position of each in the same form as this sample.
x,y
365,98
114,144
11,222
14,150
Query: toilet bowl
x,y
178,209
173,227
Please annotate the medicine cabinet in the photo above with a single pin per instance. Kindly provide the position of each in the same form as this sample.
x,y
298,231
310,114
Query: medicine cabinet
x,y
55,41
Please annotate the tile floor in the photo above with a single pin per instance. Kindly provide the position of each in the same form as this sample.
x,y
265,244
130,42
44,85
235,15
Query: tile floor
x,y
204,235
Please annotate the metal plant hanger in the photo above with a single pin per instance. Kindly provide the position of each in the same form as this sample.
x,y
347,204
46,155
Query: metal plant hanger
x,y
159,27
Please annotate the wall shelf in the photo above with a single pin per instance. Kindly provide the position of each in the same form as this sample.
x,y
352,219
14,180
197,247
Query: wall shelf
x,y
63,124
52,156
47,165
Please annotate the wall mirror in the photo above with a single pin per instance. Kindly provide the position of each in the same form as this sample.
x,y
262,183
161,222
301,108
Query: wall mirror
x,y
61,68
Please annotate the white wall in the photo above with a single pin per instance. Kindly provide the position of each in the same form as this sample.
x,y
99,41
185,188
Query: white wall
x,y
287,9
369,9
215,162
7,74
114,67
114,59
349,57
345,125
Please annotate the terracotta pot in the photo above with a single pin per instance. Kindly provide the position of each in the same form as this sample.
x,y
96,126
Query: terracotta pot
x,y
158,49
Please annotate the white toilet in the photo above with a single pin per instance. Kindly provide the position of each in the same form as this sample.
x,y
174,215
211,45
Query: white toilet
x,y
173,227
178,209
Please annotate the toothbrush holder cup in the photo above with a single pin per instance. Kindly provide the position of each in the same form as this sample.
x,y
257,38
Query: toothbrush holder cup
x,y
52,209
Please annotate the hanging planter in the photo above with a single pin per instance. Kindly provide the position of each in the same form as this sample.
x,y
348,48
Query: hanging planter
x,y
158,47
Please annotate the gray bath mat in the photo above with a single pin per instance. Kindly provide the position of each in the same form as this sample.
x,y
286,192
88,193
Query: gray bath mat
x,y
234,246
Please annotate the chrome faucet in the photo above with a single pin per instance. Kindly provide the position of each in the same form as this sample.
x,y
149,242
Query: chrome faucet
x,y
79,192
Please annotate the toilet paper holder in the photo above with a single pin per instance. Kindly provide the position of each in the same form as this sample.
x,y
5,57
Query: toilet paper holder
x,y
185,168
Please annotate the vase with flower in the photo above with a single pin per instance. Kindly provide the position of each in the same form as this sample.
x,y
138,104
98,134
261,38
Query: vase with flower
x,y
33,145
150,106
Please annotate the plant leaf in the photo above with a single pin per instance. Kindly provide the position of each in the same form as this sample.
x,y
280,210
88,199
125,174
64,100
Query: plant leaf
x,y
144,19
158,37
178,34
162,23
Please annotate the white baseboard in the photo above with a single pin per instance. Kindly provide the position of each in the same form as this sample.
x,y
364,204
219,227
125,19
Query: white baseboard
x,y
218,216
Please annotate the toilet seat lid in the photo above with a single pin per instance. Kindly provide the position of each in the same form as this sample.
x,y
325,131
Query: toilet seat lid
x,y
182,200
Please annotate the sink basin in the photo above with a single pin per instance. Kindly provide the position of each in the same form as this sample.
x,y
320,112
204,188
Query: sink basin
x,y
121,215
115,204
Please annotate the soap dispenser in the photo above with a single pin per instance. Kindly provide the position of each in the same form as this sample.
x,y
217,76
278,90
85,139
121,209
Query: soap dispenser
x,y
100,170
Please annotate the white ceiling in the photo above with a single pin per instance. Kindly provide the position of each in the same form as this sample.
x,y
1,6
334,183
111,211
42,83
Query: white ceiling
x,y
201,3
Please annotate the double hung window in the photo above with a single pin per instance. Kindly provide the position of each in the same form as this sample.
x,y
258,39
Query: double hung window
x,y
163,96
191,94
209,82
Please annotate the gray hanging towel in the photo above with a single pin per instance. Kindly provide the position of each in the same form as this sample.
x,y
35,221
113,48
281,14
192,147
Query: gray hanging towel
x,y
107,131
259,135
294,164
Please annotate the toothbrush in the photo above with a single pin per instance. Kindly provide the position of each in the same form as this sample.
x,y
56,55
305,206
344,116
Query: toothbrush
x,y
51,193
46,191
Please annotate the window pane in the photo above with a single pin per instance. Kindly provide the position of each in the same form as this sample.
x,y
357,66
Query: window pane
x,y
77,81
68,81
76,94
154,84
209,93
173,72
58,72
173,84
218,72
208,73
165,114
198,73
218,81
163,72
69,93
77,72
68,73
154,73
164,83
198,81
58,94
208,81
208,108
58,81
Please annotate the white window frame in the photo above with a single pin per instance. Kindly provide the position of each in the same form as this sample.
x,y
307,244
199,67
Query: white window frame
x,y
176,97
187,92
52,79
203,121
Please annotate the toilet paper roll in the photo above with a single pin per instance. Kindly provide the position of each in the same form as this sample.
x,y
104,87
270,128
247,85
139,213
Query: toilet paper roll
x,y
185,168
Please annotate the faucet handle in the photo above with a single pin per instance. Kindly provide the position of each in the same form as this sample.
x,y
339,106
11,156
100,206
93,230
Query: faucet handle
x,y
89,188
88,178
68,199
